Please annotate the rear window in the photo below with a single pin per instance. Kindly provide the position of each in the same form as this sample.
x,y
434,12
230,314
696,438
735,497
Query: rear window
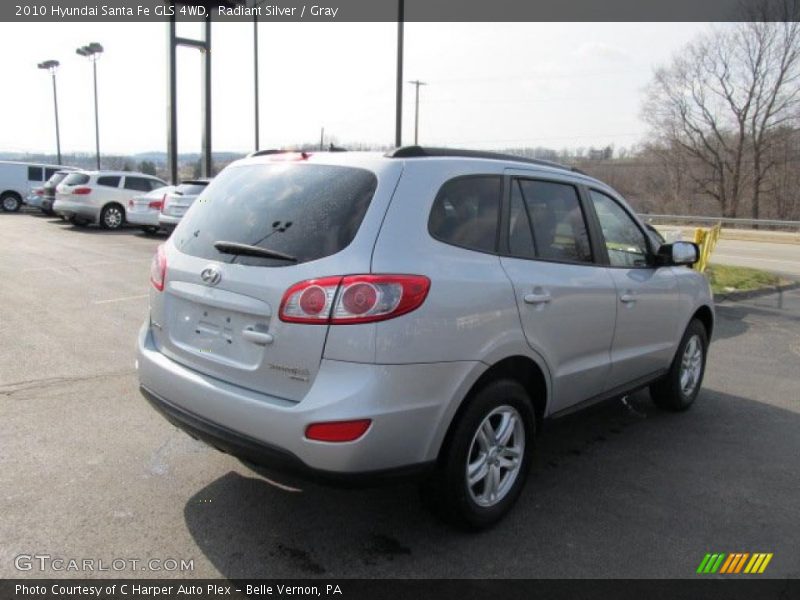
x,y
55,179
305,211
76,179
109,181
190,189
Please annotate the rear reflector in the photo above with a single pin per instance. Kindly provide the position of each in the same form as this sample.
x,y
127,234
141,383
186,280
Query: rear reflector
x,y
353,299
338,431
158,269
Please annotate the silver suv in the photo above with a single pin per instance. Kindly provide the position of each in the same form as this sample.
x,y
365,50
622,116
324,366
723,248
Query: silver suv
x,y
357,316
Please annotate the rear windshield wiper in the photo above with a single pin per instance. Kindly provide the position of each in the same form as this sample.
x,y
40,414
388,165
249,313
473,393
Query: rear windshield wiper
x,y
248,250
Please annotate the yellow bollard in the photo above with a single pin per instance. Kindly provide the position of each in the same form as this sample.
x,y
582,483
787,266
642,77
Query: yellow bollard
x,y
706,239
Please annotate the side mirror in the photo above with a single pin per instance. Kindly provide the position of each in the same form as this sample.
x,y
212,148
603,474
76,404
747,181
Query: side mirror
x,y
678,253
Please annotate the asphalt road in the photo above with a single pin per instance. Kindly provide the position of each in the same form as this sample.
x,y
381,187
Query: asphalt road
x,y
780,258
89,470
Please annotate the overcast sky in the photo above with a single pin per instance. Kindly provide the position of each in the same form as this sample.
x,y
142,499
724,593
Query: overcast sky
x,y
490,85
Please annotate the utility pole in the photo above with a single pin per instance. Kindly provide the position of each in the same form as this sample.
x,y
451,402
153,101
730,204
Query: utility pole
x,y
417,83
398,122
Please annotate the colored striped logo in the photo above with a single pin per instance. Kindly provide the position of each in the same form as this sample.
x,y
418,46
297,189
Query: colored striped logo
x,y
737,562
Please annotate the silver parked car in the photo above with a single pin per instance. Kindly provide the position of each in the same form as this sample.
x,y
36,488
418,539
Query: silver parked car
x,y
356,316
143,210
100,197
178,201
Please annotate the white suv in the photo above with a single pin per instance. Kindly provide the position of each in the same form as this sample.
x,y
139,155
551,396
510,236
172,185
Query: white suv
x,y
359,316
101,196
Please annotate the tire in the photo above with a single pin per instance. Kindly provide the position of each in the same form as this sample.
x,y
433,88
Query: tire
x,y
10,202
448,492
112,216
677,390
150,230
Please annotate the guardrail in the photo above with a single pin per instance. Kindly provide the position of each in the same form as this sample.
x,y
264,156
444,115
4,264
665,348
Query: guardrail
x,y
766,224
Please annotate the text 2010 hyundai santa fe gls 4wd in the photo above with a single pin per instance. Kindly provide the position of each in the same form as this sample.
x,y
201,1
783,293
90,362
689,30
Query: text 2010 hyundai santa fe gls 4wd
x,y
353,315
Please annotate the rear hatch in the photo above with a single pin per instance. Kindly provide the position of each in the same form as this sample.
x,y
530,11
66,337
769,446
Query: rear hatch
x,y
150,202
177,202
49,189
219,312
70,182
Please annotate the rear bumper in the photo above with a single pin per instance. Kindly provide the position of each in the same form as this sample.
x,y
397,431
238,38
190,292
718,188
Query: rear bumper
x,y
69,208
34,200
168,221
261,454
148,219
409,405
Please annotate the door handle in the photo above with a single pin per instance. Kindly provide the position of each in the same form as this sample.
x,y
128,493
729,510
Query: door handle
x,y
537,298
627,298
259,338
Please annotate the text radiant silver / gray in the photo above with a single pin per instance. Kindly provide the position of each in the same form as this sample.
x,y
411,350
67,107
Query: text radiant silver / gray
x,y
356,316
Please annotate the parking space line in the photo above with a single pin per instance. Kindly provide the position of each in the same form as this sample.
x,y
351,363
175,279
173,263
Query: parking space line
x,y
76,267
122,299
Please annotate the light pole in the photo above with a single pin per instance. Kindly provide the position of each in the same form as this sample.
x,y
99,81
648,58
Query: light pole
x,y
52,66
398,106
417,83
92,52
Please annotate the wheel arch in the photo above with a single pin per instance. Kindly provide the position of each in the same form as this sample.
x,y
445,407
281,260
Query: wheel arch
x,y
706,316
523,369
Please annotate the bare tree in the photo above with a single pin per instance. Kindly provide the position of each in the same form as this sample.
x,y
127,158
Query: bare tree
x,y
725,99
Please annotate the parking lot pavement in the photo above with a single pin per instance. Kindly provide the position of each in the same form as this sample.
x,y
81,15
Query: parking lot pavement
x,y
89,470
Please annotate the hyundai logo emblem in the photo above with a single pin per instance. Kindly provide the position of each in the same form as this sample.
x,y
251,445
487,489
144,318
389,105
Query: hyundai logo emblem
x,y
211,275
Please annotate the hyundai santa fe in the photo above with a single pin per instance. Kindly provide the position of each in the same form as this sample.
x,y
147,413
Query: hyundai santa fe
x,y
357,316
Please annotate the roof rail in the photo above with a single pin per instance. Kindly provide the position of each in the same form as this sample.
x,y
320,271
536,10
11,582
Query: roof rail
x,y
425,152
272,151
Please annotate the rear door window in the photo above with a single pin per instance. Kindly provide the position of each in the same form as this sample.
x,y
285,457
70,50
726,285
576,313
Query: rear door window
x,y
306,211
76,179
35,174
109,181
466,211
48,173
556,225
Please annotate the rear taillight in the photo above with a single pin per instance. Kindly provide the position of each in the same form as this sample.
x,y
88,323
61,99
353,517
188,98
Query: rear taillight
x,y
158,269
353,299
38,191
81,191
338,431
155,204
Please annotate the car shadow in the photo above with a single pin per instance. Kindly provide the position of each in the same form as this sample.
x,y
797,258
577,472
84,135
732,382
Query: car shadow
x,y
607,481
93,229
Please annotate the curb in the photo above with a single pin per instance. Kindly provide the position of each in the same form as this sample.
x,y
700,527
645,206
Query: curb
x,y
735,296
